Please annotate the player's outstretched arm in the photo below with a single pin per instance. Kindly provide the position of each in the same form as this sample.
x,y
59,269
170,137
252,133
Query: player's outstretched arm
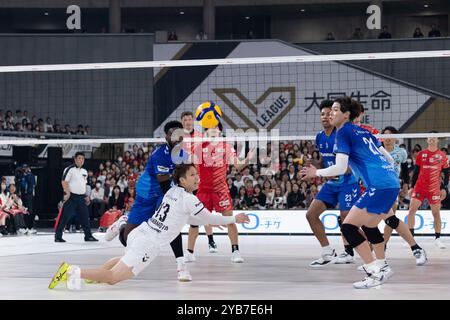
x,y
206,217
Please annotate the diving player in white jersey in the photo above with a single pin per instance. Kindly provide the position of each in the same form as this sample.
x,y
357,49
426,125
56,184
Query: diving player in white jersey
x,y
178,208
359,149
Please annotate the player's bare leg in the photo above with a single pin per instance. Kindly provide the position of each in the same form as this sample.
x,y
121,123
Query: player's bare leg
x,y
211,244
192,238
414,206
436,211
233,235
316,208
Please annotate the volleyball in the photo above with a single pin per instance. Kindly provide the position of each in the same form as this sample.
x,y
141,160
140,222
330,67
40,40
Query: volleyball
x,y
208,114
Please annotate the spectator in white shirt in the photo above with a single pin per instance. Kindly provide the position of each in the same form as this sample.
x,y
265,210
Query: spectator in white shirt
x,y
97,200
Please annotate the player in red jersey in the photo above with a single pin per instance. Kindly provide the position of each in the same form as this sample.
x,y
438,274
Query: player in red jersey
x,y
426,184
187,120
358,120
213,159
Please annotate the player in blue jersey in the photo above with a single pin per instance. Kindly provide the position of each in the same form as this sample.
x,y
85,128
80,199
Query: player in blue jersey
x,y
359,149
392,222
343,190
150,189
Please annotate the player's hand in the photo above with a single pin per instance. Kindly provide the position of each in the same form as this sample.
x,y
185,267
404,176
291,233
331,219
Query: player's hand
x,y
443,194
410,191
242,218
308,172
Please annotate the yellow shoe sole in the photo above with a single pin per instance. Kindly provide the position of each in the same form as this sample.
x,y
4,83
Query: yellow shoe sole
x,y
59,276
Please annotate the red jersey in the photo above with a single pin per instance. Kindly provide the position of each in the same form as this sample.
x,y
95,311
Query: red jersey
x,y
371,129
212,163
189,146
431,164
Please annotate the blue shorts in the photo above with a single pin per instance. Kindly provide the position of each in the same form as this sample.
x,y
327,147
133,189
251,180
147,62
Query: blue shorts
x,y
378,201
143,209
346,195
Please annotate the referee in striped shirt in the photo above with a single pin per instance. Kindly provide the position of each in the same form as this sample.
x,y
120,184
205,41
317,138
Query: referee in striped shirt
x,y
74,182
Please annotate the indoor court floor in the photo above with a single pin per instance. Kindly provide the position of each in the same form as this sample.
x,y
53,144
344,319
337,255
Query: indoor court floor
x,y
275,267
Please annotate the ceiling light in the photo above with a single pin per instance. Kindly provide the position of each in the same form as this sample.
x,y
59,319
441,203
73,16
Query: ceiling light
x,y
181,12
302,10
426,6
46,13
247,18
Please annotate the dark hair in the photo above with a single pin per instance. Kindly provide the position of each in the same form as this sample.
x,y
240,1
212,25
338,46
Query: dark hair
x,y
391,129
172,124
326,104
186,113
180,171
79,153
350,105
433,131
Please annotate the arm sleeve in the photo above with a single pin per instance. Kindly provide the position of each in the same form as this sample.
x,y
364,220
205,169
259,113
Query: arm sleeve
x,y
199,215
386,154
336,170
415,175
205,217
445,183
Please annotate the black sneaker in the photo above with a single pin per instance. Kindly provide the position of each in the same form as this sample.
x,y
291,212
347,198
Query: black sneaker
x,y
212,247
90,239
59,240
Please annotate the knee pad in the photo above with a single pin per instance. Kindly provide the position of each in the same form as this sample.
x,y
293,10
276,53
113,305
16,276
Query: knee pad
x,y
392,222
352,235
122,237
339,219
374,235
192,226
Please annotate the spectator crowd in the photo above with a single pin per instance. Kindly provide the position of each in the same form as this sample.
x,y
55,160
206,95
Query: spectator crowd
x,y
22,122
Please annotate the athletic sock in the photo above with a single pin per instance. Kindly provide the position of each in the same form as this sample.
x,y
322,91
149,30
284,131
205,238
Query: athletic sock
x,y
412,231
437,235
349,250
210,238
180,261
234,247
415,247
327,249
